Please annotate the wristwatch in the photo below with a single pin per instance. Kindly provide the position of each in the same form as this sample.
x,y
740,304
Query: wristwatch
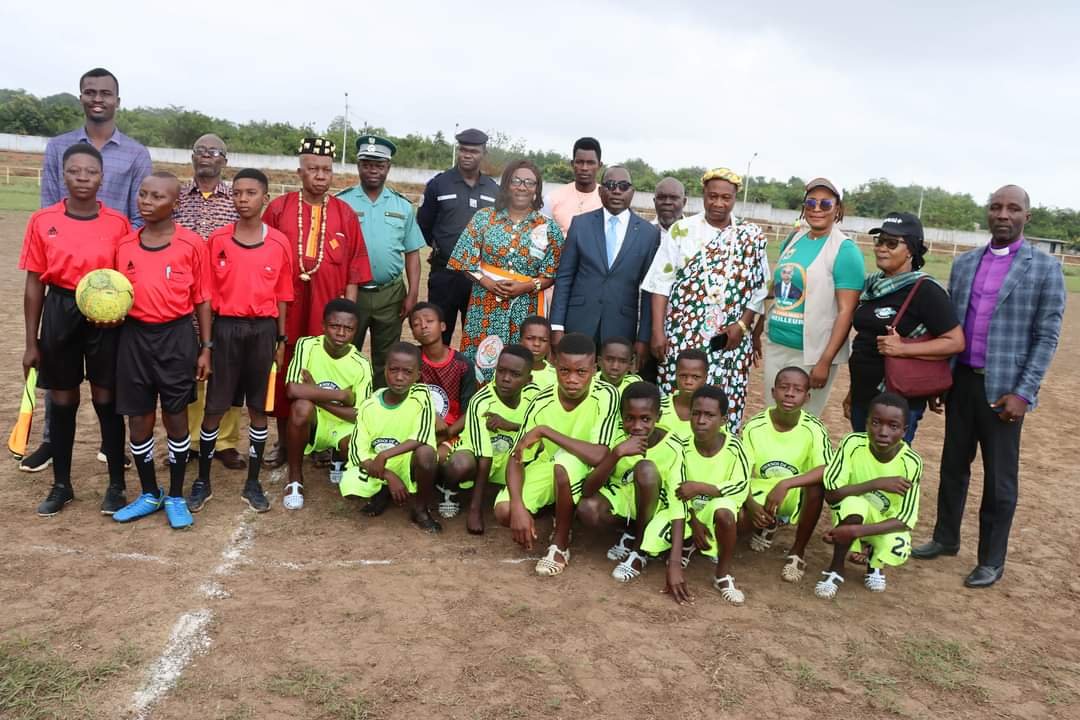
x,y
536,284
283,338
208,345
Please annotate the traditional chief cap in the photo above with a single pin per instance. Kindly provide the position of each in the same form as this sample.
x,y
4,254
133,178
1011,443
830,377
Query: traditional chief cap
x,y
820,182
472,136
374,147
317,146
722,174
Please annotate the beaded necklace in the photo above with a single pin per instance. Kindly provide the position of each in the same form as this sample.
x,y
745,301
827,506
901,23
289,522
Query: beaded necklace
x,y
306,274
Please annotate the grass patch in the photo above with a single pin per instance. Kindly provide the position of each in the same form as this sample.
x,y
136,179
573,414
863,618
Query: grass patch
x,y
805,677
38,683
20,196
322,692
942,663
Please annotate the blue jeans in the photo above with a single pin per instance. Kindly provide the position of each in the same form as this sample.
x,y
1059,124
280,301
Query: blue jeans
x,y
860,415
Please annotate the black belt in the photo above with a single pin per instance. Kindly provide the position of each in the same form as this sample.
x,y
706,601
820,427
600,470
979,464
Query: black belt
x,y
372,287
61,290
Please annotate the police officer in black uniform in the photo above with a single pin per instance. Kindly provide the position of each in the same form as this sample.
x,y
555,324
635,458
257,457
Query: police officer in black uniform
x,y
450,199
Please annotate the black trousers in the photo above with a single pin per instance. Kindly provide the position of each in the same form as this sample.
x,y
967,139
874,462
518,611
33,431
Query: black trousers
x,y
970,423
450,290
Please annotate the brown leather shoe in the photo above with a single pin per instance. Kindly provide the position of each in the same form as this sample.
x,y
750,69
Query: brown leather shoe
x,y
230,458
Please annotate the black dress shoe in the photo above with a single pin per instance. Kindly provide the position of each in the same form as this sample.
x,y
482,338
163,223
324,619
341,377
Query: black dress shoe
x,y
984,576
933,549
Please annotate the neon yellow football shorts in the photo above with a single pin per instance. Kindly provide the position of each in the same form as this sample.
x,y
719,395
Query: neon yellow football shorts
x,y
328,432
888,549
788,512
538,485
622,498
356,481
497,474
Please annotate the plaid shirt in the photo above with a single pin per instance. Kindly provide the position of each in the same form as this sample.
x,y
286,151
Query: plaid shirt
x,y
1026,323
205,215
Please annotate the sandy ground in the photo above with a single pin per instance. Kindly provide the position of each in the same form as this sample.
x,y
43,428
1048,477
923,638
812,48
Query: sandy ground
x,y
327,614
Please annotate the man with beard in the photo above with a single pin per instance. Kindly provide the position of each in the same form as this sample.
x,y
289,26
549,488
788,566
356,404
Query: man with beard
x,y
582,195
393,242
329,258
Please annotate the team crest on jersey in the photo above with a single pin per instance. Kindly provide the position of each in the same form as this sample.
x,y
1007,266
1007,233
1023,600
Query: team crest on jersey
x,y
884,313
879,499
778,469
502,444
699,502
439,399
627,477
380,444
329,385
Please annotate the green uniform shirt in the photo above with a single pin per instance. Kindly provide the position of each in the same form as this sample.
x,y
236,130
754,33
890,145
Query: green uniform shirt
x,y
667,455
789,284
546,378
776,455
626,380
350,371
594,420
854,463
488,443
380,427
670,420
728,470
390,230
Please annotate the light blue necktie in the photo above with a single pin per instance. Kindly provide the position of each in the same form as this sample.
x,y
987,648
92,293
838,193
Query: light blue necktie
x,y
612,238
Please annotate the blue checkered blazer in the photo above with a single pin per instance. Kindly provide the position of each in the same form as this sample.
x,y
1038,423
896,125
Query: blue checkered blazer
x,y
1026,323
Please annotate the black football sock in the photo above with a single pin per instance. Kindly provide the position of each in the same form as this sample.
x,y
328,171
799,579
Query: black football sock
x,y
178,453
112,440
143,453
207,443
257,437
62,439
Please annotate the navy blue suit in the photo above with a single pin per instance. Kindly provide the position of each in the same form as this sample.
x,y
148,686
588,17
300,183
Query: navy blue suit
x,y
594,299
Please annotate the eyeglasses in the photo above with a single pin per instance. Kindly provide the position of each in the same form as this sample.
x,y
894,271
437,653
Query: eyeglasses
x,y
812,203
208,152
620,185
888,241
522,182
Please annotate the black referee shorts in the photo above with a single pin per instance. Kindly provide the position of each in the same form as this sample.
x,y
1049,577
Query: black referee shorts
x,y
69,343
156,360
241,359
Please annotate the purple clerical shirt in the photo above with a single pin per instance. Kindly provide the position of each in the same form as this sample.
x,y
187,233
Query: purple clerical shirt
x,y
989,277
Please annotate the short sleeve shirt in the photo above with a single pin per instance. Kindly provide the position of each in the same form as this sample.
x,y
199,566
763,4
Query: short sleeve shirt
x,y
667,455
594,420
350,371
931,307
390,230
776,455
381,426
670,420
451,384
493,443
546,377
855,463
249,280
728,471
789,284
62,248
169,281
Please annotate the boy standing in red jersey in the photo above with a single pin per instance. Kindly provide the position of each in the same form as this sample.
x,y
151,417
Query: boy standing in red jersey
x,y
251,277
64,242
157,354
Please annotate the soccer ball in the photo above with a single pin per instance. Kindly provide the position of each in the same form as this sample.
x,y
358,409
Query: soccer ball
x,y
104,295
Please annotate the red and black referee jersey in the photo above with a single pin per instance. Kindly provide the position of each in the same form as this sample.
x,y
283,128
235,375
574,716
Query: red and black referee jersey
x,y
169,281
452,383
62,248
249,281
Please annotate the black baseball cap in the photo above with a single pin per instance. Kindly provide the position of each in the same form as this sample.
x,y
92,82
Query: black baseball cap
x,y
901,224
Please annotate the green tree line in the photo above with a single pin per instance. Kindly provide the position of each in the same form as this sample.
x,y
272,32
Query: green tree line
x,y
27,114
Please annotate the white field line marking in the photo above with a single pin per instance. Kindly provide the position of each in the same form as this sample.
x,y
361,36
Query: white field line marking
x,y
135,557
189,636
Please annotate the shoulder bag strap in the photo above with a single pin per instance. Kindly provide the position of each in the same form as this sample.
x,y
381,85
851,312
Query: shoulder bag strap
x,y
907,301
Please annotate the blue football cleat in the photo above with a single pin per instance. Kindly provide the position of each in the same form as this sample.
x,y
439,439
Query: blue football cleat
x,y
145,504
178,513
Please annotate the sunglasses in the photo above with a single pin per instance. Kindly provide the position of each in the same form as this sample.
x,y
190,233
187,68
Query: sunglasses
x,y
522,182
208,152
620,185
890,242
812,203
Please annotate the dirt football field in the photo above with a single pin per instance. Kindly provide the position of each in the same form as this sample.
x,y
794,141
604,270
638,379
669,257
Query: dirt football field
x,y
326,614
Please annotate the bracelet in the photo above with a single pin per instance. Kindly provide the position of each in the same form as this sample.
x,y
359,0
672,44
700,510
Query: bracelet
x,y
536,284
742,325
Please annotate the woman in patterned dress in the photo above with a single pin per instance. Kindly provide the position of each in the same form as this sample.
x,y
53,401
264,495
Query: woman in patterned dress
x,y
708,281
511,252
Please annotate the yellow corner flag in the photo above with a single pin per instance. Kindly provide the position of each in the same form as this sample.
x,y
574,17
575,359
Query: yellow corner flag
x,y
271,383
20,434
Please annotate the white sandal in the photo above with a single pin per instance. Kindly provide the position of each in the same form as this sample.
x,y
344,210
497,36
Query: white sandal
x,y
826,589
293,499
729,592
620,550
875,580
793,569
625,571
687,553
547,565
761,540
449,507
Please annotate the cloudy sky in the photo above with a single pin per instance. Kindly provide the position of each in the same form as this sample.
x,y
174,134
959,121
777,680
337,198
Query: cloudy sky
x,y
966,97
